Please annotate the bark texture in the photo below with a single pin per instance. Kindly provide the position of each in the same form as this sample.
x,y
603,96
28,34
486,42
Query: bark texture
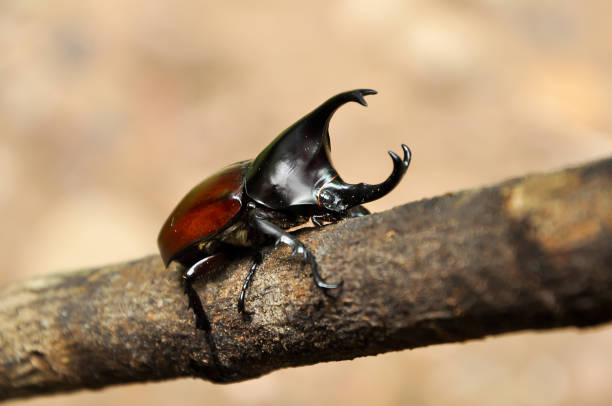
x,y
530,253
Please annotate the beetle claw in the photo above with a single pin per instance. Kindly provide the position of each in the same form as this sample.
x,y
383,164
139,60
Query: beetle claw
x,y
300,250
328,287
327,290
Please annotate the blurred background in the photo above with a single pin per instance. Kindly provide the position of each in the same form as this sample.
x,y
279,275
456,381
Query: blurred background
x,y
110,111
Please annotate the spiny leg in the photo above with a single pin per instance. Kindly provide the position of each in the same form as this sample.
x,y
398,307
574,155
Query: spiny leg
x,y
194,273
258,219
257,258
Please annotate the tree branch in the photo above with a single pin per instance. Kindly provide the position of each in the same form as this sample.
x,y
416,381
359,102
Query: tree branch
x,y
531,253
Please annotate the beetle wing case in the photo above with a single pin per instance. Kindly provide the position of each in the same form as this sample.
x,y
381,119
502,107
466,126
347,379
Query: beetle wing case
x,y
205,211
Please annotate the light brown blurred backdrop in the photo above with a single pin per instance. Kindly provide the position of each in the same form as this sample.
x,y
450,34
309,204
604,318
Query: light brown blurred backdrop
x,y
110,111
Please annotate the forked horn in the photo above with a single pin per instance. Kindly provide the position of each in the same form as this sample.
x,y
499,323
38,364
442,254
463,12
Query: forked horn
x,y
338,195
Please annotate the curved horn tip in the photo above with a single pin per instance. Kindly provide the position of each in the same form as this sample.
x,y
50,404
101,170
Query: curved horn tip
x,y
366,92
394,156
363,92
407,155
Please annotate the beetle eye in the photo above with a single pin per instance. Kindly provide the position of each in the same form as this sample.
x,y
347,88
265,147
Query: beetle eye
x,y
331,200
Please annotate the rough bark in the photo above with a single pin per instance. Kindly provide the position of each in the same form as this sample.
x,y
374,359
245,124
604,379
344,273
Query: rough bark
x,y
530,253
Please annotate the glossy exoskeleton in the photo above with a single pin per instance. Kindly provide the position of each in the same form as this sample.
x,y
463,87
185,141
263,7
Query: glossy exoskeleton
x,y
252,203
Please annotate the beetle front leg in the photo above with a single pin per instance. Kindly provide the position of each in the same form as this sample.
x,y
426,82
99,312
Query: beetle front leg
x,y
258,220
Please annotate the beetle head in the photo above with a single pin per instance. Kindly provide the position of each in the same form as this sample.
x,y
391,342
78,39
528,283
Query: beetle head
x,y
296,168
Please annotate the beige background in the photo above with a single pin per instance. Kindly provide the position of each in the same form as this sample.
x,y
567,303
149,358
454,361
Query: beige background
x,y
110,111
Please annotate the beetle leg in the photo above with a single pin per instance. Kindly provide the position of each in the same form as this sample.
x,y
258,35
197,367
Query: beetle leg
x,y
258,219
196,304
358,211
203,266
195,272
316,219
257,258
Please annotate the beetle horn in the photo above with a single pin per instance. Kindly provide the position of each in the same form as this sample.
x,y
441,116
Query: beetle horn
x,y
337,195
325,111
291,170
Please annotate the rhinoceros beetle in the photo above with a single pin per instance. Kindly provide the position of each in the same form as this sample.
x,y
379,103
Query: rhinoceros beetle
x,y
251,203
